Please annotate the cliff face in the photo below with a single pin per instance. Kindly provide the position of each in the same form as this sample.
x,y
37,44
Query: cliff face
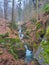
x,y
39,56
42,53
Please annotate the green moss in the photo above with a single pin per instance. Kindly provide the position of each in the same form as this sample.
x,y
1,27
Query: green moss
x,y
13,40
9,40
47,31
11,50
1,35
45,46
16,50
2,40
13,45
44,43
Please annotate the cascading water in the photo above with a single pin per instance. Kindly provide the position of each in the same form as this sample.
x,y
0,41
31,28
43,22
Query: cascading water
x,y
20,34
29,54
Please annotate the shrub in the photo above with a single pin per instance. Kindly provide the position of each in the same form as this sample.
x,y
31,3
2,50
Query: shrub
x,y
33,20
44,42
46,8
1,40
42,31
13,53
4,35
12,40
13,26
9,40
7,34
27,32
1,35
37,36
35,46
38,25
45,46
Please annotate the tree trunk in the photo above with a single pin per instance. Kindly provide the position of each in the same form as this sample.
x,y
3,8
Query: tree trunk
x,y
5,11
5,8
12,13
37,9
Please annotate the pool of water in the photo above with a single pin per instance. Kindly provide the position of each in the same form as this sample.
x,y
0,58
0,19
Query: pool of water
x,y
28,55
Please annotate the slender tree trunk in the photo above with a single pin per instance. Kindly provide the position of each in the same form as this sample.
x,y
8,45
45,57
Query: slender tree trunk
x,y
5,11
12,10
12,13
37,9
5,8
37,16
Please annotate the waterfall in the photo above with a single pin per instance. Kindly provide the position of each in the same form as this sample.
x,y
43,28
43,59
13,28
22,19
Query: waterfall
x,y
28,52
28,55
21,35
26,47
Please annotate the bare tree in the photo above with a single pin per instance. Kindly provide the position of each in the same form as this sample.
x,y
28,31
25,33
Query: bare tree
x,y
19,10
13,10
5,8
5,11
37,9
12,21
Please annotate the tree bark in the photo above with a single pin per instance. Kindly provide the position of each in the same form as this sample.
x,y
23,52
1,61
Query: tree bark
x,y
5,11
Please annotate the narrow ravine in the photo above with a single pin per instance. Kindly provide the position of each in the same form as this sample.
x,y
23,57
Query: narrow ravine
x,y
28,54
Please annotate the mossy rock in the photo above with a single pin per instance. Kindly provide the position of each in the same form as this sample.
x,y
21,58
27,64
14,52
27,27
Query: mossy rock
x,y
14,46
17,52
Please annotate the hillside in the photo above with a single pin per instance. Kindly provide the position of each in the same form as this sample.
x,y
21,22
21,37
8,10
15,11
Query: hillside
x,y
24,40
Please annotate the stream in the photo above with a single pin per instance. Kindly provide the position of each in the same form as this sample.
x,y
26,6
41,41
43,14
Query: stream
x,y
28,53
